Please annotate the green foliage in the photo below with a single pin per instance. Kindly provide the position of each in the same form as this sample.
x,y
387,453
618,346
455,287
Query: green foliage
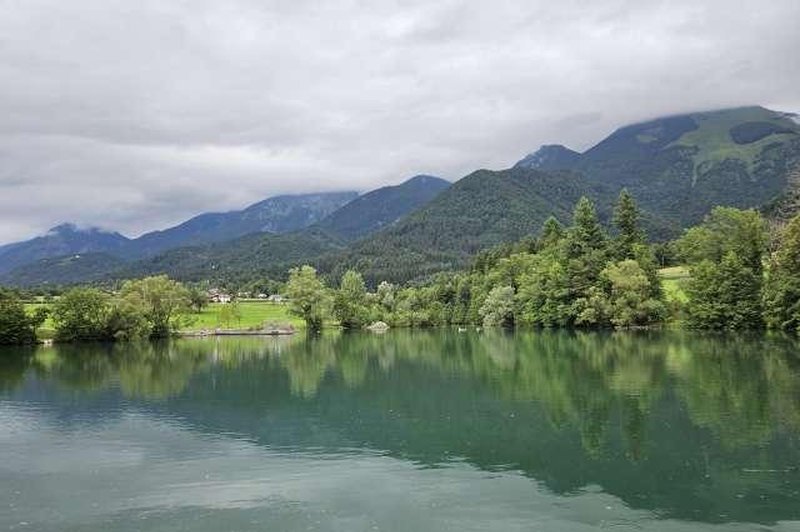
x,y
626,221
724,295
152,307
198,299
350,301
82,314
632,302
230,313
127,320
17,327
308,296
545,297
585,254
782,289
563,278
726,230
726,253
498,307
164,303
552,232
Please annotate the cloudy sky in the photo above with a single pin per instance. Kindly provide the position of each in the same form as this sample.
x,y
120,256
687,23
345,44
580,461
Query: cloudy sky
x,y
135,115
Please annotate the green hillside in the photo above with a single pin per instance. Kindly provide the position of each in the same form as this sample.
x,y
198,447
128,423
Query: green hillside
x,y
679,167
481,210
70,269
245,258
382,207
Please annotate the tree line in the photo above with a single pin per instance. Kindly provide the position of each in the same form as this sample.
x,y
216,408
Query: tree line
x,y
153,307
742,275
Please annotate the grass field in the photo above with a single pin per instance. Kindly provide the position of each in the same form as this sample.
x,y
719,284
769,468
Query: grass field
x,y
673,280
712,137
252,314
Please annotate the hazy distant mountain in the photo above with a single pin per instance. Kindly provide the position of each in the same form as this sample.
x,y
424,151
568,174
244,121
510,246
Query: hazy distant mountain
x,y
382,207
66,239
280,214
207,245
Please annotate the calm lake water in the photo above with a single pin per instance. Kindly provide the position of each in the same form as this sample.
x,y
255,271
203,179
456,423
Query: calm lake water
x,y
411,430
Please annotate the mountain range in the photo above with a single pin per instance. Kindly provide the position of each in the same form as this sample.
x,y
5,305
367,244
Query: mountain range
x,y
279,214
677,167
68,254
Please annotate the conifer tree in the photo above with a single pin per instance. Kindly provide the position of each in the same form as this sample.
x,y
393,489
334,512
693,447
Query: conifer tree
x,y
626,221
551,233
585,254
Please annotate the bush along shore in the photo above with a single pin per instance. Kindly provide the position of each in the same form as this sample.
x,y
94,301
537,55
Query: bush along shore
x,y
738,274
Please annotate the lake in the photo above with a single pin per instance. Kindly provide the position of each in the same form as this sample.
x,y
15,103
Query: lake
x,y
405,431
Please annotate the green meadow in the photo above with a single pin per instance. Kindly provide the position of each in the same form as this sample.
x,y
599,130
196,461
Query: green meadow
x,y
673,281
251,314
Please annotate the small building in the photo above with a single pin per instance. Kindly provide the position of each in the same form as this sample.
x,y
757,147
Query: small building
x,y
215,295
276,298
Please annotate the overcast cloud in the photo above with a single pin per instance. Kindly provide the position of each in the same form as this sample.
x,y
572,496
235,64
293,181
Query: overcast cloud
x,y
136,115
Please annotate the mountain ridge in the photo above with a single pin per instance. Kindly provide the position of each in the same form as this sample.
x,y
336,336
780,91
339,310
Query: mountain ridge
x,y
278,214
677,168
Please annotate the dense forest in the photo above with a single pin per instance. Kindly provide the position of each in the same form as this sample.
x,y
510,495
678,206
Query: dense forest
x,y
741,276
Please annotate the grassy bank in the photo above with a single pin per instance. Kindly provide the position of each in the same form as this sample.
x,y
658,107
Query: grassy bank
x,y
252,314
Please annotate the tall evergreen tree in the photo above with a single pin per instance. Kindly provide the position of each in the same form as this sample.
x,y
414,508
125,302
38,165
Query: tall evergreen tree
x,y
626,221
586,233
551,233
586,254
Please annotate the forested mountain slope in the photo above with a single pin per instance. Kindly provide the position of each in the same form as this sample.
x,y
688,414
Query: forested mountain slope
x,y
382,207
677,168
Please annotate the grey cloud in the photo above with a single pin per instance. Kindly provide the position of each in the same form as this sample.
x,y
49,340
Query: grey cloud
x,y
132,115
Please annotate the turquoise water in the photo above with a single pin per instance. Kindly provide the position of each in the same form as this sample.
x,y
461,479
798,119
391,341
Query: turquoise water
x,y
411,430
